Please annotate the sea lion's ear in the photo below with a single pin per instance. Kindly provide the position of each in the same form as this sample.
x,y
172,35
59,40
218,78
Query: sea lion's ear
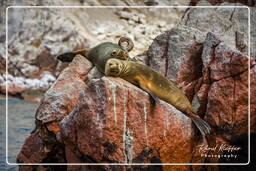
x,y
129,42
113,53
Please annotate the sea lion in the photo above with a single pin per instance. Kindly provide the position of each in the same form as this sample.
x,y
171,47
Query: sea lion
x,y
157,86
101,53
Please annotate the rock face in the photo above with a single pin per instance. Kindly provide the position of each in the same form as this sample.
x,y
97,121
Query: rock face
x,y
89,118
106,120
230,24
176,54
213,76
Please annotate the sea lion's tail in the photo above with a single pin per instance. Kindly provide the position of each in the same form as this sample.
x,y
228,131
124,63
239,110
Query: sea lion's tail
x,y
69,56
129,42
203,127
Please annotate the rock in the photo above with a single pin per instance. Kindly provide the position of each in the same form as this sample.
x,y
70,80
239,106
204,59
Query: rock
x,y
238,16
237,2
17,85
231,24
106,119
110,112
176,54
226,73
86,117
55,105
223,95
220,90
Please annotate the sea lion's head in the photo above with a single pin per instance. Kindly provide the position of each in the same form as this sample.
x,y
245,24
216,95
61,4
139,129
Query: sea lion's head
x,y
115,67
119,54
108,50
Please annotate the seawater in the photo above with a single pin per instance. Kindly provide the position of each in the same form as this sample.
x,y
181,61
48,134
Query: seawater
x,y
21,122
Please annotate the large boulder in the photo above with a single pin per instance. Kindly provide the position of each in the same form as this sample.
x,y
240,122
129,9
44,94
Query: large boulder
x,y
176,54
103,120
86,117
213,76
230,24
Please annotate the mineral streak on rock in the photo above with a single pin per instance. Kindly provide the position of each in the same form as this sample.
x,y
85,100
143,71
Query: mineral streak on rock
x,y
124,129
128,146
113,89
145,122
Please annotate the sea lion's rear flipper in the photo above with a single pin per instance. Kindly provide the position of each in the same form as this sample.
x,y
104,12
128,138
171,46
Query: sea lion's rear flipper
x,y
69,56
129,45
203,127
66,57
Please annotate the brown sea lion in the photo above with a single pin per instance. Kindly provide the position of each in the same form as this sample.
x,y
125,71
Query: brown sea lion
x,y
157,86
102,52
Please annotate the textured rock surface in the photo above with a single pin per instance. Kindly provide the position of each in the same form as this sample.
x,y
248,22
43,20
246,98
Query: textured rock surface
x,y
86,117
176,54
240,38
220,90
230,24
106,120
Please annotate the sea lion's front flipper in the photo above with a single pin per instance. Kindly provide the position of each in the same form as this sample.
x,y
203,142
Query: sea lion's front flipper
x,y
152,95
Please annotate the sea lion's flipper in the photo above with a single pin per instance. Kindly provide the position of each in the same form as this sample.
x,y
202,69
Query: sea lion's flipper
x,y
69,56
66,57
129,42
203,127
152,96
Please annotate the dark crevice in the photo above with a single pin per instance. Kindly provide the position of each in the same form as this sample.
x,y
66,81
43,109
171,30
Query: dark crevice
x,y
166,66
232,75
187,12
232,14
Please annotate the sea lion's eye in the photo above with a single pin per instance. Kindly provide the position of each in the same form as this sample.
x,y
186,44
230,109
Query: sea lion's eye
x,y
114,52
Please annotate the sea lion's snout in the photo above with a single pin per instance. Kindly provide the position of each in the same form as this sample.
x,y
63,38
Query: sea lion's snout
x,y
112,67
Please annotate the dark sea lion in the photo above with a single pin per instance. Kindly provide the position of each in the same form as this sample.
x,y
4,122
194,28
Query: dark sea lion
x,y
157,86
102,52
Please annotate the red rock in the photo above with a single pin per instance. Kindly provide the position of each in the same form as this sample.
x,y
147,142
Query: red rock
x,y
176,54
60,99
87,118
107,120
253,99
114,123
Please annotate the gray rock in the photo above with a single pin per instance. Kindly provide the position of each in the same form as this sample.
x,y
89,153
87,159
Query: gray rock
x,y
170,49
230,24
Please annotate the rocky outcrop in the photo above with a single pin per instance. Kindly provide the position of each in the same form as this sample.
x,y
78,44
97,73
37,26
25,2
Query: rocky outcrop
x,y
230,24
106,120
250,3
213,76
86,117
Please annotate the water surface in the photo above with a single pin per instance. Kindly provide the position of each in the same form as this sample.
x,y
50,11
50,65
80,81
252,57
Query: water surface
x,y
20,124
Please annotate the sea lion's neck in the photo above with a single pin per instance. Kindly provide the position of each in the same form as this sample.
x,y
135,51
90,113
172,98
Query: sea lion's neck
x,y
124,70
